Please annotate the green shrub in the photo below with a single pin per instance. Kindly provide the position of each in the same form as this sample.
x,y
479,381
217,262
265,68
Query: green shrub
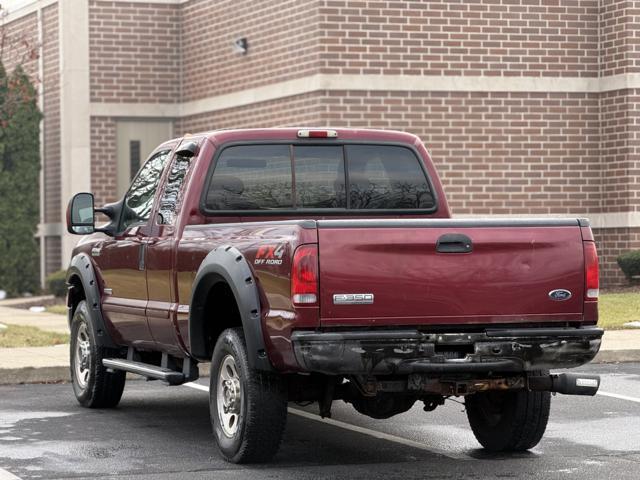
x,y
629,263
19,177
56,283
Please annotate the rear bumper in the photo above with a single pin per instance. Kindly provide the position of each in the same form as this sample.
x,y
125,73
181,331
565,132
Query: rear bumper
x,y
386,352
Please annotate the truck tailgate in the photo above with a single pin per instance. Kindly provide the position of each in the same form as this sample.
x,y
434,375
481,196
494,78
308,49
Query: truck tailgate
x,y
391,272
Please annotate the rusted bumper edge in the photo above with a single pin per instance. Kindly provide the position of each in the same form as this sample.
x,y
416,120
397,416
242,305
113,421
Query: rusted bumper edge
x,y
398,352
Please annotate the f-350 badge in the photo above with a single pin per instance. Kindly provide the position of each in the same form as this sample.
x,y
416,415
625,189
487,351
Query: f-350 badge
x,y
352,298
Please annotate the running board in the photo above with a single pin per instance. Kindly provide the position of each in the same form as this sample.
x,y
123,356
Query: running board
x,y
146,370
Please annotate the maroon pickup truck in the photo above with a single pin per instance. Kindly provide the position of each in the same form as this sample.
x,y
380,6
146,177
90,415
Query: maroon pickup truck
x,y
313,265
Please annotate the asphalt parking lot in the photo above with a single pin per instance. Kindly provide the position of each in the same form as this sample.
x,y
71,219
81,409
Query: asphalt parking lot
x,y
163,432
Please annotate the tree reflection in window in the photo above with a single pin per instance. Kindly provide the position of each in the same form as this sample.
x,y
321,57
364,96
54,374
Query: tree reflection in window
x,y
139,199
320,177
259,177
386,177
251,177
172,191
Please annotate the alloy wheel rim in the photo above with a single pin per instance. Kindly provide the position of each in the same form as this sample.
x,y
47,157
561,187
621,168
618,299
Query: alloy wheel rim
x,y
82,357
229,396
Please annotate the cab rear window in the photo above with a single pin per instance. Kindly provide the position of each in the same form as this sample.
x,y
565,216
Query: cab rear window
x,y
327,178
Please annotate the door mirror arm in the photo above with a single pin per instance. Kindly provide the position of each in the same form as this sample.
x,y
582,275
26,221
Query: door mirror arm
x,y
112,211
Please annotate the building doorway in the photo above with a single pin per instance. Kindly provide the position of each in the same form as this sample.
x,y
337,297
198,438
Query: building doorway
x,y
136,140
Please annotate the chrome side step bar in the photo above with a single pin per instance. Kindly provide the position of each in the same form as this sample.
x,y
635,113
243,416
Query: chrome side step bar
x,y
150,371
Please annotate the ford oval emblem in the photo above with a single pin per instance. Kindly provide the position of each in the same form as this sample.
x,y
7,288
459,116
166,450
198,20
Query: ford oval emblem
x,y
559,295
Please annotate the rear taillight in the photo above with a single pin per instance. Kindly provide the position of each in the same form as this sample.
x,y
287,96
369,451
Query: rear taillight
x,y
304,275
591,271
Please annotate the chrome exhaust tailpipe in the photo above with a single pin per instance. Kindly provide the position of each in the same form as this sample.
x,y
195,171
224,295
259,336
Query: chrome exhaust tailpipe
x,y
566,383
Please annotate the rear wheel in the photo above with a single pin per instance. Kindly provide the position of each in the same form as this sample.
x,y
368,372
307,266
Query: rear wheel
x,y
248,407
93,385
508,421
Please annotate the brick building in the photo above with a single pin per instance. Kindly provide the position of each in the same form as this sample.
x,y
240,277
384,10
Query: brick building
x,y
529,107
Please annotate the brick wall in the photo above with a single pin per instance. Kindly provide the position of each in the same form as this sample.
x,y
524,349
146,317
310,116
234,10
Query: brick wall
x,y
52,248
619,37
51,109
620,150
134,50
20,45
451,37
103,159
283,44
611,242
295,110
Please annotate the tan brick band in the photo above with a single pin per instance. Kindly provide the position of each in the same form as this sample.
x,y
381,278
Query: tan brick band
x,y
367,83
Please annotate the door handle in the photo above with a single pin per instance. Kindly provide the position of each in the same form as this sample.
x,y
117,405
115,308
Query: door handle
x,y
142,249
454,243
142,252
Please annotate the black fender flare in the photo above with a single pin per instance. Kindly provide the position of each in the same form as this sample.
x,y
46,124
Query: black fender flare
x,y
82,268
227,264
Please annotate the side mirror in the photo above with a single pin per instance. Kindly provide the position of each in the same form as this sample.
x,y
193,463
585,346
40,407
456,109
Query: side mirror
x,y
80,214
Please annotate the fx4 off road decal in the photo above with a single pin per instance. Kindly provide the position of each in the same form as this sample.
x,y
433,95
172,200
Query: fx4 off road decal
x,y
270,254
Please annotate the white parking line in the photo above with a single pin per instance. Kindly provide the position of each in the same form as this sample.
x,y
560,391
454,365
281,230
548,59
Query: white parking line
x,y
376,434
355,428
621,397
4,475
197,386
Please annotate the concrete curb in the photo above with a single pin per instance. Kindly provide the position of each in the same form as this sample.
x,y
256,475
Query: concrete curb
x,y
12,302
12,376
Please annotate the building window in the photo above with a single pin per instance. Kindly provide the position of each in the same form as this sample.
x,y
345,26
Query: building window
x,y
134,158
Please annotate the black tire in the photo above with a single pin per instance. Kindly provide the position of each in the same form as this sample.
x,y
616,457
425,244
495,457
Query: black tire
x,y
95,387
261,413
508,421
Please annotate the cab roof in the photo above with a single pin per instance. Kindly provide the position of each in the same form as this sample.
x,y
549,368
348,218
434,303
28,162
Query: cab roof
x,y
291,134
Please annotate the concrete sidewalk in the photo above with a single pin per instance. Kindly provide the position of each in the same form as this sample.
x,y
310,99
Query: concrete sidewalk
x,y
51,364
51,322
619,346
33,364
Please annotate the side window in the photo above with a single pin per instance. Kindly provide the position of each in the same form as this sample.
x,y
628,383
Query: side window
x,y
139,199
386,177
319,177
171,196
251,177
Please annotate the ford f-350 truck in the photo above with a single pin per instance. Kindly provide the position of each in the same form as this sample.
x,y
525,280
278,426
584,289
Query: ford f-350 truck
x,y
313,265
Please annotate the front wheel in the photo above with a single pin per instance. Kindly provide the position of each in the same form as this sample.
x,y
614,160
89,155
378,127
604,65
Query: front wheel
x,y
508,421
248,408
93,385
